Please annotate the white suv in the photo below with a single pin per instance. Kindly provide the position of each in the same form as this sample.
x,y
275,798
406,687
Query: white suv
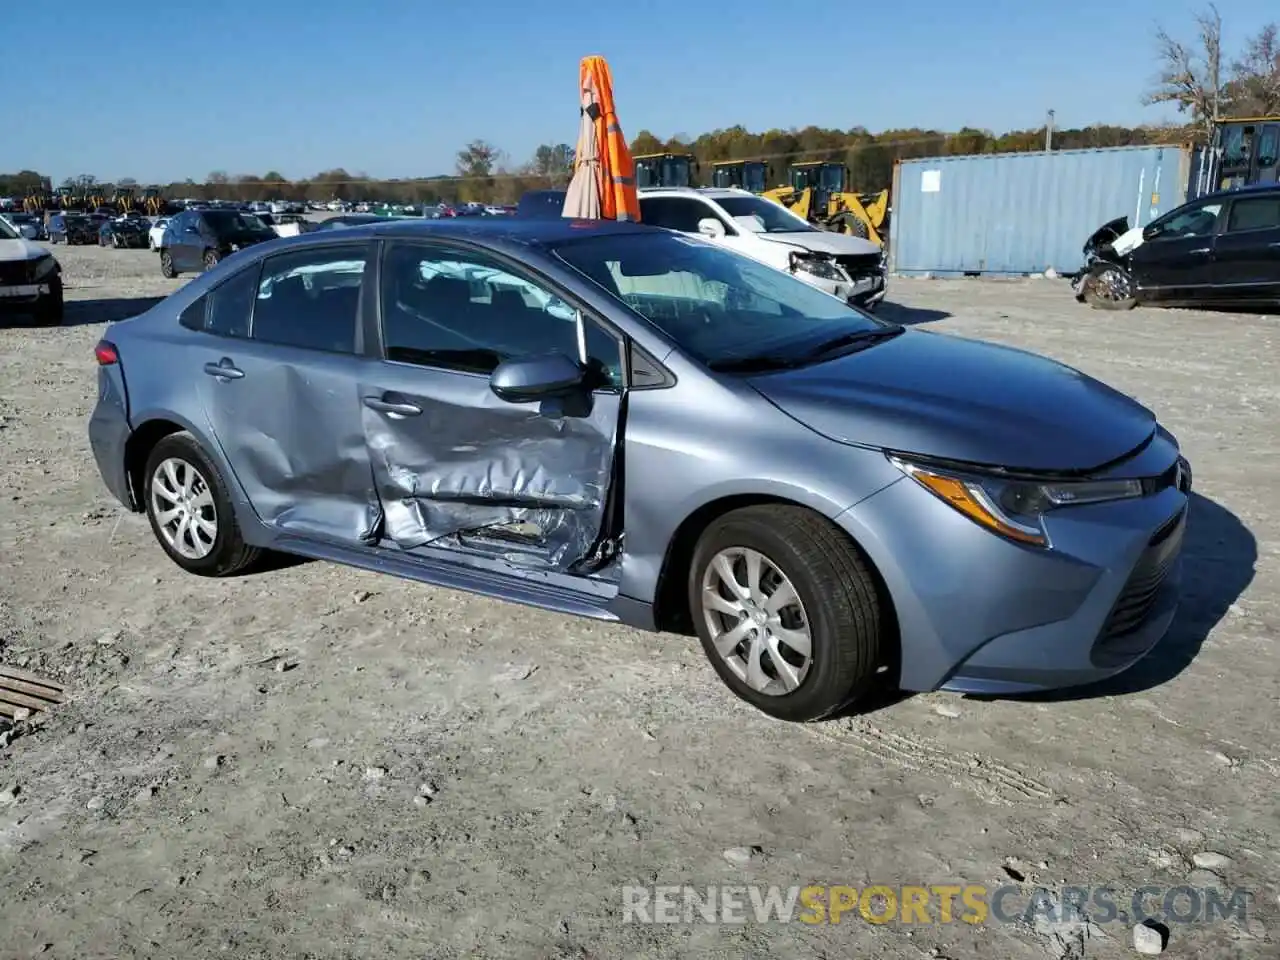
x,y
847,267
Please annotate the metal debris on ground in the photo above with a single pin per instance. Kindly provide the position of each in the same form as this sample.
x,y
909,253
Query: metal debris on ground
x,y
23,694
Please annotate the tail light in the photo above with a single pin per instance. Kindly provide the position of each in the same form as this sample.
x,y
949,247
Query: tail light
x,y
105,353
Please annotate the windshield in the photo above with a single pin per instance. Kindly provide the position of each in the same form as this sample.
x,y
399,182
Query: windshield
x,y
6,231
727,310
763,216
228,222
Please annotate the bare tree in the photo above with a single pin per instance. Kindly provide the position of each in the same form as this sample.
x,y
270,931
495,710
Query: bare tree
x,y
1255,77
1191,74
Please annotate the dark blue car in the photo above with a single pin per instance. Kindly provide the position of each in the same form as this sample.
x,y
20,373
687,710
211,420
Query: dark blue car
x,y
194,241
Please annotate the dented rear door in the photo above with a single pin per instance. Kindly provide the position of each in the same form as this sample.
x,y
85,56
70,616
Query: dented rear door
x,y
456,466
283,397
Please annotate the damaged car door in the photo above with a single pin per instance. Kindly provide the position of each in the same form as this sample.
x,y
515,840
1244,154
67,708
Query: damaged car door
x,y
277,379
1175,260
493,417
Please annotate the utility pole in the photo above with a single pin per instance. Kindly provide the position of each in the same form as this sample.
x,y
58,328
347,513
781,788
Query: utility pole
x,y
1048,133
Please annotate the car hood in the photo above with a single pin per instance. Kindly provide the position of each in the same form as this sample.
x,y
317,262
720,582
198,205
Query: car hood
x,y
11,250
823,241
942,396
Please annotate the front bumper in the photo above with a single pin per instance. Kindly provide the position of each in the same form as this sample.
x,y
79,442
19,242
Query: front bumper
x,y
980,614
23,296
859,292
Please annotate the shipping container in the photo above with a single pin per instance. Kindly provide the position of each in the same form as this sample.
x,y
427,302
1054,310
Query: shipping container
x,y
1021,213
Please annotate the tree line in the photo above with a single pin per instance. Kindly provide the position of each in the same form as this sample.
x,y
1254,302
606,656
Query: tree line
x,y
1197,76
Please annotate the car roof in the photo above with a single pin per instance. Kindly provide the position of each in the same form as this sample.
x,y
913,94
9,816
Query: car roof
x,y
1250,189
490,229
709,193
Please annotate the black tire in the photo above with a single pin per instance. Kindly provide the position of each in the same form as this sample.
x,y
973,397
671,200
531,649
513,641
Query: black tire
x,y
211,259
229,554
836,588
166,265
1108,287
51,308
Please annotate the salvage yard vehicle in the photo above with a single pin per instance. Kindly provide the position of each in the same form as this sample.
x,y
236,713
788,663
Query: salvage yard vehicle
x,y
72,229
195,240
845,266
124,233
817,191
30,278
631,424
1222,249
155,234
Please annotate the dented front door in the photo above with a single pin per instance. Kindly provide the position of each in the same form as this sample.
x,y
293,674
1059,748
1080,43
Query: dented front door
x,y
456,466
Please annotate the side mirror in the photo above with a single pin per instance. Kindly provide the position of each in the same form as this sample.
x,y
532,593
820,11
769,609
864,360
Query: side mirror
x,y
711,227
525,379
1150,232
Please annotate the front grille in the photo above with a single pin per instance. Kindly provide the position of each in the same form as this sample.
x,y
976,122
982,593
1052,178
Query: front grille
x,y
15,272
859,265
1140,592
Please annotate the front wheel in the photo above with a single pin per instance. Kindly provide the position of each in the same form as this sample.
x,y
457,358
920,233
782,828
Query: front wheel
x,y
166,265
51,308
787,611
190,511
1108,287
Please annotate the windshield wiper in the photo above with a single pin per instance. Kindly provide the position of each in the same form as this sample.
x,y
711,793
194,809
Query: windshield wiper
x,y
758,364
858,340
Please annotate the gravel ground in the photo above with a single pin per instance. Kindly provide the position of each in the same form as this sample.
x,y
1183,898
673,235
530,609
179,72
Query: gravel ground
x,y
319,762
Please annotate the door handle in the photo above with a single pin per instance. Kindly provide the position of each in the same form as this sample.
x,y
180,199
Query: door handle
x,y
395,409
1274,246
1199,250
223,370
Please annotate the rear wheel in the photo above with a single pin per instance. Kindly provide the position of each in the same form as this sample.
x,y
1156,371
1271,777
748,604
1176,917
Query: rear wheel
x,y
190,511
787,611
1109,287
166,265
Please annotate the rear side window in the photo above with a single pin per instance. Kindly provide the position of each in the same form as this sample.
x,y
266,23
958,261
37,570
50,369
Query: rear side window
x,y
1256,213
224,310
311,299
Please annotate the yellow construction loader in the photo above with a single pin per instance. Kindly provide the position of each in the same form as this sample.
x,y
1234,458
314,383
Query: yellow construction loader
x,y
665,169
816,191
154,203
750,175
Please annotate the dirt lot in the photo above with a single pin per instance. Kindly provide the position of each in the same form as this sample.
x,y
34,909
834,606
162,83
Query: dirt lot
x,y
433,774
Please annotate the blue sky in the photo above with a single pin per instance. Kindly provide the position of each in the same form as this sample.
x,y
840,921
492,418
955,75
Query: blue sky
x,y
395,87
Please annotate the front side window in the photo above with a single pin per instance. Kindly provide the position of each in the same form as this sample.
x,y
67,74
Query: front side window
x,y
1255,213
460,311
311,298
763,216
724,309
1192,222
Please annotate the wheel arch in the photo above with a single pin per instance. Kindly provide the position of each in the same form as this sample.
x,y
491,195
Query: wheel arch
x,y
671,612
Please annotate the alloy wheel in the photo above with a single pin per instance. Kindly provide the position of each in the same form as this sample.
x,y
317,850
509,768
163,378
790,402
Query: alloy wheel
x,y
184,509
756,621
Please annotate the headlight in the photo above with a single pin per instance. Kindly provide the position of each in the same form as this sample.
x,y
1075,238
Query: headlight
x,y
45,267
826,269
1013,508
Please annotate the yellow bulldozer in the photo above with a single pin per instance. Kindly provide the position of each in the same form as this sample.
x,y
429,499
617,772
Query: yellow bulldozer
x,y
817,192
665,169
